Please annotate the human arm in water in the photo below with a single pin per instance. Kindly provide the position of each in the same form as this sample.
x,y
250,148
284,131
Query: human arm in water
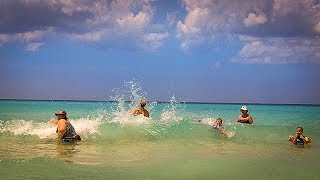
x,y
61,128
305,139
138,111
53,121
248,118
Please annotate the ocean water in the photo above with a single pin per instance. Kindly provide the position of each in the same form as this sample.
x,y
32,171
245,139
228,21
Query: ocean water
x,y
172,144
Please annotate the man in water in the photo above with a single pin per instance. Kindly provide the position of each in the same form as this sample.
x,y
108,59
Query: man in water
x,y
141,109
244,117
65,130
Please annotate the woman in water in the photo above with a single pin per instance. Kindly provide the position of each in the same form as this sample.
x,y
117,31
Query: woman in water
x,y
244,117
65,130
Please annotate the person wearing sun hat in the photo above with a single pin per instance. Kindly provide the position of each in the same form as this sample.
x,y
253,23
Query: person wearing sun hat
x,y
65,130
244,117
141,109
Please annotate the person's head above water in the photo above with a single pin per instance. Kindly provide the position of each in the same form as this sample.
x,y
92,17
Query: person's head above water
x,y
61,114
143,102
244,109
219,121
299,130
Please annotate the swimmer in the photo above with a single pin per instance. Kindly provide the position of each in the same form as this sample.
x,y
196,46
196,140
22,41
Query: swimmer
x,y
244,117
65,130
217,125
299,139
141,109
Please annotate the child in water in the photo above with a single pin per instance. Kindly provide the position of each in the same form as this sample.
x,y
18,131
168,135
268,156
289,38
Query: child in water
x,y
217,125
299,139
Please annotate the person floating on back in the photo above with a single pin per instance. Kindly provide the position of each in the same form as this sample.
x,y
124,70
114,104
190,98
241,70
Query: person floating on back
x,y
244,117
141,109
299,139
65,130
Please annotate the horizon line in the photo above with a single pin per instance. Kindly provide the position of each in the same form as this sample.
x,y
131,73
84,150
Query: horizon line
x,y
189,102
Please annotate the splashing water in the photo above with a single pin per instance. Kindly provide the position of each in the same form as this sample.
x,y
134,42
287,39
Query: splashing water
x,y
228,125
123,112
22,127
83,126
170,112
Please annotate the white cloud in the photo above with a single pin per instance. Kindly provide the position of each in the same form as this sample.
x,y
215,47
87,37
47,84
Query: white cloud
x,y
90,36
279,51
207,18
154,40
26,37
254,19
34,47
101,22
295,23
155,36
132,22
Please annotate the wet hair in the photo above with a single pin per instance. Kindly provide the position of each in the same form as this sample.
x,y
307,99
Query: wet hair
x,y
299,127
143,102
219,119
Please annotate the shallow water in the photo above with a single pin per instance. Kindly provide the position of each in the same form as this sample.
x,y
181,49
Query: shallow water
x,y
171,144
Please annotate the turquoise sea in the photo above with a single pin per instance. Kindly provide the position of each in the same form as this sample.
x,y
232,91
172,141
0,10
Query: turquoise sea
x,y
172,144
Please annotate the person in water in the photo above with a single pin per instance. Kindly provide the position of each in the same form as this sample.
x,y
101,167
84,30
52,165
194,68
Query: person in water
x,y
217,125
141,109
244,117
299,139
65,130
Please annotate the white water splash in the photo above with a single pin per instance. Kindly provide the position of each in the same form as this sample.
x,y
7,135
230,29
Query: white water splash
x,y
123,113
211,121
87,126
43,130
22,127
208,121
170,112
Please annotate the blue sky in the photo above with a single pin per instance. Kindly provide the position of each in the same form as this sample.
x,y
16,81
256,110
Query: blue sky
x,y
239,51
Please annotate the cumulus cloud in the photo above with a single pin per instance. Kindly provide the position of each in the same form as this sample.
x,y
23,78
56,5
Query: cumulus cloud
x,y
97,21
254,19
279,51
297,20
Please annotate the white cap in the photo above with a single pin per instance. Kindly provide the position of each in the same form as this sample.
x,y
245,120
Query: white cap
x,y
244,108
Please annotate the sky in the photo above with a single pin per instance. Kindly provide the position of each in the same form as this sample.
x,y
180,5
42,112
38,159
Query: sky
x,y
235,51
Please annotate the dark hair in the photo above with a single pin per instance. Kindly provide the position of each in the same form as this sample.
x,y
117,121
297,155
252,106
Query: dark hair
x,y
219,119
300,128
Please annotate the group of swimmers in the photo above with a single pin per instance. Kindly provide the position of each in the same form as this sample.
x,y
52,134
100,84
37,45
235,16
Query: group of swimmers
x,y
298,139
66,131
